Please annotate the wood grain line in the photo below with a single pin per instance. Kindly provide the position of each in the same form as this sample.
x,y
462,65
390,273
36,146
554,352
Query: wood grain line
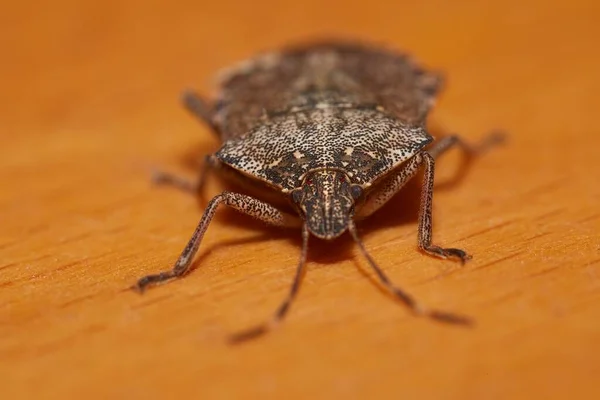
x,y
488,229
497,261
543,272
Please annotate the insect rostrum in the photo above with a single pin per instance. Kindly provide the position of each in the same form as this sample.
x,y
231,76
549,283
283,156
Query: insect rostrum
x,y
332,129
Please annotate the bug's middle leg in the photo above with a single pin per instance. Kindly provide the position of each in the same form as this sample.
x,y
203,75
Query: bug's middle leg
x,y
190,186
470,149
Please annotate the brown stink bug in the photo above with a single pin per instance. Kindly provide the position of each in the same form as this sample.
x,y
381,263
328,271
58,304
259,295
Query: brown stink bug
x,y
325,134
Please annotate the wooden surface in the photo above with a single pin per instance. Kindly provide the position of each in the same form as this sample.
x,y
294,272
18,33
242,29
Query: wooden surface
x,y
90,105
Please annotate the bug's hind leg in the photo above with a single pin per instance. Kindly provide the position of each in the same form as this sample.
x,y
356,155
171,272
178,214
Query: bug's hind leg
x,y
199,107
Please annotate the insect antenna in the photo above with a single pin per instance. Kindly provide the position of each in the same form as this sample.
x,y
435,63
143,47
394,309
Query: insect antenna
x,y
403,296
283,309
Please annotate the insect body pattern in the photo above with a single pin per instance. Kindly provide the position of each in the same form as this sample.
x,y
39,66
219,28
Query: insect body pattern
x,y
330,132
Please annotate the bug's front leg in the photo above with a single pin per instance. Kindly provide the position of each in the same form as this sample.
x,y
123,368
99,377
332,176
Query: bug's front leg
x,y
245,204
425,217
392,185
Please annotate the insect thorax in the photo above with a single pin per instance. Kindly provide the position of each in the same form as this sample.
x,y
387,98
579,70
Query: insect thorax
x,y
364,143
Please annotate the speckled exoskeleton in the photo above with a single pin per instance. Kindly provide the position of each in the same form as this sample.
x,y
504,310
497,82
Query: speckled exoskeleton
x,y
333,131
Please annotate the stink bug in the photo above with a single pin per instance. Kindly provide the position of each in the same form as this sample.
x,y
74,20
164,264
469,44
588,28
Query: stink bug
x,y
333,130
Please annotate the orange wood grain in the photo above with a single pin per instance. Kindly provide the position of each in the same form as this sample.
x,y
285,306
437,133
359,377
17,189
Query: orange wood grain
x,y
89,106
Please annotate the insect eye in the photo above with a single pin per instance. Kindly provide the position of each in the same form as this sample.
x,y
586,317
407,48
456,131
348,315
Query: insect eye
x,y
309,182
342,179
356,191
297,196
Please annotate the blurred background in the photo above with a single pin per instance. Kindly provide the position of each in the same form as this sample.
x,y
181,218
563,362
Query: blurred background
x,y
90,104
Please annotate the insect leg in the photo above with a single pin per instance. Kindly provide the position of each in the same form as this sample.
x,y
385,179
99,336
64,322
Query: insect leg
x,y
245,204
199,107
285,305
425,217
181,183
490,140
407,299
387,189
